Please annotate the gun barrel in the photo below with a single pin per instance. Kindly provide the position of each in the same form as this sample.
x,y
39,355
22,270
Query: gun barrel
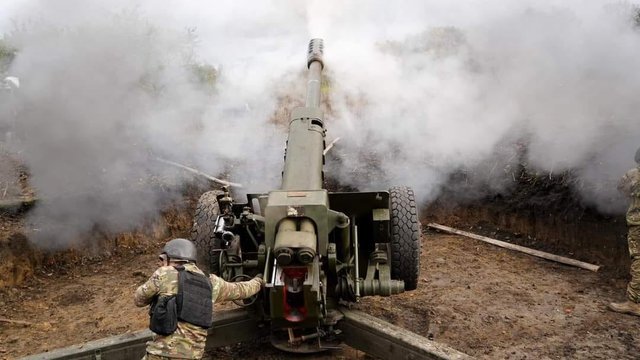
x,y
315,65
305,145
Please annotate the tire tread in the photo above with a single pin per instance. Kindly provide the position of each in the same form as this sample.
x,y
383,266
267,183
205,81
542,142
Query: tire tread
x,y
405,236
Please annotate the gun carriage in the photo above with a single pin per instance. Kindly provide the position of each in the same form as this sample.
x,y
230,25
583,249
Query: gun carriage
x,y
316,248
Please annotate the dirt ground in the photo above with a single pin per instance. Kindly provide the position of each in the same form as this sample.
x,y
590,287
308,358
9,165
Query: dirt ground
x,y
485,301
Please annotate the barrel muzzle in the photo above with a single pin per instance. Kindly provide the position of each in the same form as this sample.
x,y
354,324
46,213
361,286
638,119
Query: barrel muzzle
x,y
316,48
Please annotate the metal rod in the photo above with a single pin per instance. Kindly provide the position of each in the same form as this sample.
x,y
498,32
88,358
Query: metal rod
x,y
200,173
266,266
326,150
314,62
355,245
245,263
253,239
296,340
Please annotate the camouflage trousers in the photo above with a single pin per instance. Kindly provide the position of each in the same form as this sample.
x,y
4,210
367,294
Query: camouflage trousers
x,y
633,289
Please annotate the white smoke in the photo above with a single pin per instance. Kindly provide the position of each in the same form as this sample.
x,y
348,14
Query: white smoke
x,y
419,89
446,95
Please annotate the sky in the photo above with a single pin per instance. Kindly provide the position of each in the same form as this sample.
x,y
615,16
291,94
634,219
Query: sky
x,y
419,90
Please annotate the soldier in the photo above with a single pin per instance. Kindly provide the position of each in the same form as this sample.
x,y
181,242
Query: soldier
x,y
630,186
181,299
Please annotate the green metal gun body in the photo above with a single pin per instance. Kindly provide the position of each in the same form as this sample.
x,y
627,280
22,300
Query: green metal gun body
x,y
298,218
315,247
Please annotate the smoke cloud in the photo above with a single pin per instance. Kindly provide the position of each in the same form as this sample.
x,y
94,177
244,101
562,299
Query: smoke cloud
x,y
418,91
465,92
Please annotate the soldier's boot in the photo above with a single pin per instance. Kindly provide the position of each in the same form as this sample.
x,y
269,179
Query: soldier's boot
x,y
627,307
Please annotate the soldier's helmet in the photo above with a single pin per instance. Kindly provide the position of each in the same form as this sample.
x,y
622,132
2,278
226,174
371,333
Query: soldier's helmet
x,y
638,156
180,249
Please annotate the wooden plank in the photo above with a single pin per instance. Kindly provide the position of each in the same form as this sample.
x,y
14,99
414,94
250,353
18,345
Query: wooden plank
x,y
526,250
380,338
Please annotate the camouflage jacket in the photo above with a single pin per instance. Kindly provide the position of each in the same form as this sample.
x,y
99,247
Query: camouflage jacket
x,y
630,186
188,341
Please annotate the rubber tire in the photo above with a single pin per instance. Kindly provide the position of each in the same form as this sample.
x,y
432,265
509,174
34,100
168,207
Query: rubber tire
x,y
202,232
405,236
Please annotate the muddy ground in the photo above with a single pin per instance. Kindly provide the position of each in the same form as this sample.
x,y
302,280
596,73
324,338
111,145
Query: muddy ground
x,y
486,301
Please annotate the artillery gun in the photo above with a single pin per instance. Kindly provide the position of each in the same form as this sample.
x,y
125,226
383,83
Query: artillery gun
x,y
316,248
318,251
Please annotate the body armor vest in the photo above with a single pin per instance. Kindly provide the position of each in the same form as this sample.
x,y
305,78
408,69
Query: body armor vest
x,y
194,301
